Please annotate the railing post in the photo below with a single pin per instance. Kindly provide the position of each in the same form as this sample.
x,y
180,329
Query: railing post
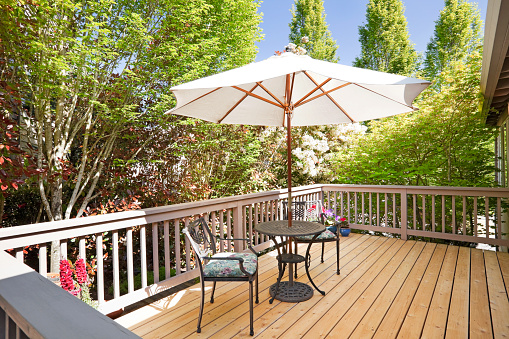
x,y
404,214
237,228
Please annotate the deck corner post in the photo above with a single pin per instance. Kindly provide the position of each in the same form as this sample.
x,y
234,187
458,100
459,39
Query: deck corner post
x,y
404,214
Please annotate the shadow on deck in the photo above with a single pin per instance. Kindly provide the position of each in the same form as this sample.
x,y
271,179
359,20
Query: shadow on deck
x,y
387,288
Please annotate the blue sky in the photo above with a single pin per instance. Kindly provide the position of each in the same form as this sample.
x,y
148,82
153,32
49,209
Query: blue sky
x,y
344,17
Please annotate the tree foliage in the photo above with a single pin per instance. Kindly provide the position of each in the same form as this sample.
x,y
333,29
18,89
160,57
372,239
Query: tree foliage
x,y
457,34
445,143
385,43
308,20
92,73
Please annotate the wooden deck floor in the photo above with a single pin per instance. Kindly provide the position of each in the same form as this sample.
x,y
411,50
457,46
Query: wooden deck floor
x,y
387,288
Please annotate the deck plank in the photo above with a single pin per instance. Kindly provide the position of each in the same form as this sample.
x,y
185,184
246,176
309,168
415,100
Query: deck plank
x,y
480,318
436,320
327,306
457,325
391,323
276,326
499,303
503,260
416,315
349,321
387,288
372,319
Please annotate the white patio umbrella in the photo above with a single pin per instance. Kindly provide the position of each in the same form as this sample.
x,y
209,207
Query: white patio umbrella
x,y
296,90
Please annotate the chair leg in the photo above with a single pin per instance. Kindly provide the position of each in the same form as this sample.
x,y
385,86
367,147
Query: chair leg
x,y
257,300
212,295
251,332
337,255
323,248
201,304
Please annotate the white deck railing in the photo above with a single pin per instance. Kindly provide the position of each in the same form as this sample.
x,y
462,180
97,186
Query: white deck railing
x,y
125,240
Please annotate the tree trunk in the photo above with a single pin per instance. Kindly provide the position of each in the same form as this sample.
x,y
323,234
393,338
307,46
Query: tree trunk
x,y
56,210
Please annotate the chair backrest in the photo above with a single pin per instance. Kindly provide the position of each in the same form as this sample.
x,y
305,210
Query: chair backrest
x,y
201,238
304,210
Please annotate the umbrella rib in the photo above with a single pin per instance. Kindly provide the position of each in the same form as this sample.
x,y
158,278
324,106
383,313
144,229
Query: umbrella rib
x,y
238,103
258,97
322,94
269,93
314,90
330,98
367,89
201,96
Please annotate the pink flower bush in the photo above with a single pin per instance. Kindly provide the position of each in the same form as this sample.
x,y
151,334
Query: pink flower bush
x,y
75,280
81,271
66,276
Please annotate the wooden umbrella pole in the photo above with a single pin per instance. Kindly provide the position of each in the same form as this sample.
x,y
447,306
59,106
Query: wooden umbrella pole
x,y
289,162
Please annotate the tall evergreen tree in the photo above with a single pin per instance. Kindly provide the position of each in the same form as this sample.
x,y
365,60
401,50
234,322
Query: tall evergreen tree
x,y
309,20
457,34
385,43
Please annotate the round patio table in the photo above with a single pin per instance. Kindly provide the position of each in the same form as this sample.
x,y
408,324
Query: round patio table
x,y
290,291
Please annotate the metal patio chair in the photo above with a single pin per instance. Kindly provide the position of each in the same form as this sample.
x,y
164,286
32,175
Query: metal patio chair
x,y
312,211
221,266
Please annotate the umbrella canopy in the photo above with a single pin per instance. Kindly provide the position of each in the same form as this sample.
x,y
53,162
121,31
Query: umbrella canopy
x,y
296,90
317,92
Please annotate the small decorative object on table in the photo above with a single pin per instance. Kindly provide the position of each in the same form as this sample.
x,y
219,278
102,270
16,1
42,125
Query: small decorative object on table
x,y
344,227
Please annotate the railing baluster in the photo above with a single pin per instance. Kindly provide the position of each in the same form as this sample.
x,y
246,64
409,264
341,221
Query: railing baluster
x,y
443,213
342,206
370,209
155,250
143,255
229,228
348,205
378,209
167,258
130,261
394,215
116,266
43,261
363,217
63,249
256,222
424,212
250,220
487,215
414,197
19,254
433,213
386,209
453,214
100,268
498,234
475,217
176,224
356,211
188,247
464,222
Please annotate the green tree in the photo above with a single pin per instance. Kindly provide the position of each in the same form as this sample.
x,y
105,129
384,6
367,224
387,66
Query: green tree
x,y
445,143
92,73
385,43
308,20
457,34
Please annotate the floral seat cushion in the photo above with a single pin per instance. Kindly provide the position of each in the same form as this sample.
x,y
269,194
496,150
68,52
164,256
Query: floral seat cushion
x,y
230,268
325,235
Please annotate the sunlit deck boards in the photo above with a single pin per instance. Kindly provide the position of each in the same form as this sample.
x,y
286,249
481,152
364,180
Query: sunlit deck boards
x,y
387,288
